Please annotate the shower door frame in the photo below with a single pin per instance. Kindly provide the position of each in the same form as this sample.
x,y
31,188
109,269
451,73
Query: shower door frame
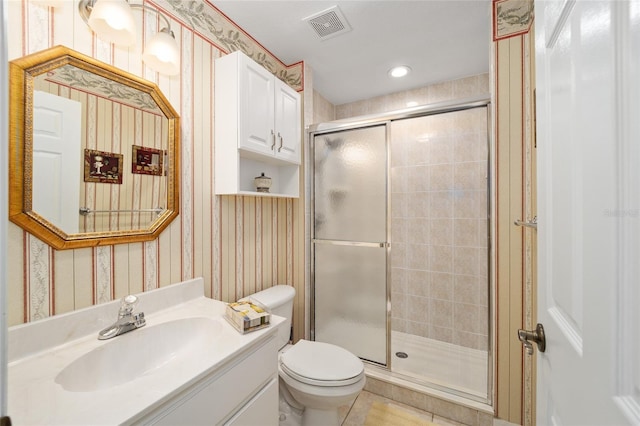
x,y
386,119
387,246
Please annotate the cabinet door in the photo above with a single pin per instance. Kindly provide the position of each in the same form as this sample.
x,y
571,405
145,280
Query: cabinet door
x,y
287,105
261,410
257,133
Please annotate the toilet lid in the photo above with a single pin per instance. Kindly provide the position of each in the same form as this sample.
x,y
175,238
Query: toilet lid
x,y
321,364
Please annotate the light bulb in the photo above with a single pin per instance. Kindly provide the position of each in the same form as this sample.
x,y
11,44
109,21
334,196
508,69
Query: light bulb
x,y
113,22
161,53
400,71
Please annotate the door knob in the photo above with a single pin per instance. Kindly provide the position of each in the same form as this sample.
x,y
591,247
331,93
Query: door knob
x,y
528,337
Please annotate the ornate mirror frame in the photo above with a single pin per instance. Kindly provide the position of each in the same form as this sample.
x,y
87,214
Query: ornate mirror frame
x,y
22,74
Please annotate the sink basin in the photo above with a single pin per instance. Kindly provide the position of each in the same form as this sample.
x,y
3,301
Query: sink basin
x,y
139,352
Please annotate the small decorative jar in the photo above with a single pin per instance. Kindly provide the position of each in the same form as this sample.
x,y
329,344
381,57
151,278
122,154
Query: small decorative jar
x,y
263,183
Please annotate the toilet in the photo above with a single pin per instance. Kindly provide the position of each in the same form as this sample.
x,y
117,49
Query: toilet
x,y
315,378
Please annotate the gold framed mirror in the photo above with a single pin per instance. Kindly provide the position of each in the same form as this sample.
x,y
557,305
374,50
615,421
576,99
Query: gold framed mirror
x,y
94,152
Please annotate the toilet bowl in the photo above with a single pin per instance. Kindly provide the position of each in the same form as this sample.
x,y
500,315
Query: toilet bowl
x,y
321,377
316,378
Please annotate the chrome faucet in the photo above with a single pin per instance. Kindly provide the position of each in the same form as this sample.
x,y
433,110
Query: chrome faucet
x,y
127,320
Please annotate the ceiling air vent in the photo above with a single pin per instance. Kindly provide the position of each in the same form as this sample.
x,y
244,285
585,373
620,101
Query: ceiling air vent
x,y
328,23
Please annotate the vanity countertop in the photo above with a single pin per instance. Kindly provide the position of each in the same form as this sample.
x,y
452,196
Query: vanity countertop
x,y
40,350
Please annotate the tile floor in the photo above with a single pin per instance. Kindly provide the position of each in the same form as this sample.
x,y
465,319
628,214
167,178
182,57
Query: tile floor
x,y
356,415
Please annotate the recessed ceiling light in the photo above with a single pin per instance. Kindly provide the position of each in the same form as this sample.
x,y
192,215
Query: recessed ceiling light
x,y
400,71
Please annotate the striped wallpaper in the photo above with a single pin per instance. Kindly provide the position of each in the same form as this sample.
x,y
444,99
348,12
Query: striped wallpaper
x,y
237,244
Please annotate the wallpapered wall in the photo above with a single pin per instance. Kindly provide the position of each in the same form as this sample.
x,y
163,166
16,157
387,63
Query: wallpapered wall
x,y
238,244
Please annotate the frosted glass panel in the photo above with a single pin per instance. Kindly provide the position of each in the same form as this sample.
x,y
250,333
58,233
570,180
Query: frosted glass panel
x,y
350,185
350,299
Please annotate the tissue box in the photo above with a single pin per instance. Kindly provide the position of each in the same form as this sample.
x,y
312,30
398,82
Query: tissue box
x,y
246,316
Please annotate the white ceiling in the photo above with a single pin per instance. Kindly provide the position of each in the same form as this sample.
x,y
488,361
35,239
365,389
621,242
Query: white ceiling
x,y
439,39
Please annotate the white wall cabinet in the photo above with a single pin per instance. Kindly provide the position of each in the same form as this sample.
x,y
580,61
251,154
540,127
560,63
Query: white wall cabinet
x,y
257,129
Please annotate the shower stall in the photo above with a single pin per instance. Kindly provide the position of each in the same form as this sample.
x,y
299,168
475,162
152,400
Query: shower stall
x,y
400,244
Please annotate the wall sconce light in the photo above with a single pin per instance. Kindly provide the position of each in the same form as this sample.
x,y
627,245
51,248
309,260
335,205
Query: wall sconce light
x,y
113,22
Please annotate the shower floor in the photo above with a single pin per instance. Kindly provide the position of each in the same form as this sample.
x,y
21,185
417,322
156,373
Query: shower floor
x,y
440,363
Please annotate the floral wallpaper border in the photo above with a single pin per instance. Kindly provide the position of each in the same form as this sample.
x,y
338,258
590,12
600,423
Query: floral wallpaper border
x,y
68,75
511,18
203,18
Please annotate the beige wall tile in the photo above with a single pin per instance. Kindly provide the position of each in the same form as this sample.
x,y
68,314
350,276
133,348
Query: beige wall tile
x,y
441,232
399,304
465,261
417,308
418,178
441,313
379,387
323,110
399,324
399,280
399,230
409,397
417,204
399,205
443,334
399,256
465,232
399,179
418,230
418,151
441,92
418,256
441,177
467,289
418,283
442,203
441,258
441,286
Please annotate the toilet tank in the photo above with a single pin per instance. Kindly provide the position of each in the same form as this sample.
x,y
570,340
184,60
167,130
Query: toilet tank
x,y
279,301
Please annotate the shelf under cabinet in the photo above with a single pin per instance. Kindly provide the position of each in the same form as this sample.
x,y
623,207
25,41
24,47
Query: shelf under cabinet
x,y
264,194
285,178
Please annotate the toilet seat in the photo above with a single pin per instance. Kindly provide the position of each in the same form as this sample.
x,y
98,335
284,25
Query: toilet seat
x,y
321,364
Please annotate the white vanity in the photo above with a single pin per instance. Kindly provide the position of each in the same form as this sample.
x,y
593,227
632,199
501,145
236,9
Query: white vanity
x,y
187,366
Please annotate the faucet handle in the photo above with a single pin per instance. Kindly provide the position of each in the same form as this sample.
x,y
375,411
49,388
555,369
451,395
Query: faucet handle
x,y
128,305
138,320
130,299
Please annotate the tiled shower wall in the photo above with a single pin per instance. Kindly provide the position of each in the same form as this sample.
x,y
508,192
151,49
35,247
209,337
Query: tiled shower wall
x,y
439,276
445,91
439,230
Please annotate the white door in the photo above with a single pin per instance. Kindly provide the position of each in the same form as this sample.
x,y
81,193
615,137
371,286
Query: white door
x,y
588,139
57,160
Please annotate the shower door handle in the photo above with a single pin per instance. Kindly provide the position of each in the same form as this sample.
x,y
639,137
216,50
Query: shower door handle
x,y
528,337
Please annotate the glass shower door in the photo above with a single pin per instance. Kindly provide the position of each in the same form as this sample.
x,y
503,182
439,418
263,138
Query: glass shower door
x,y
350,249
